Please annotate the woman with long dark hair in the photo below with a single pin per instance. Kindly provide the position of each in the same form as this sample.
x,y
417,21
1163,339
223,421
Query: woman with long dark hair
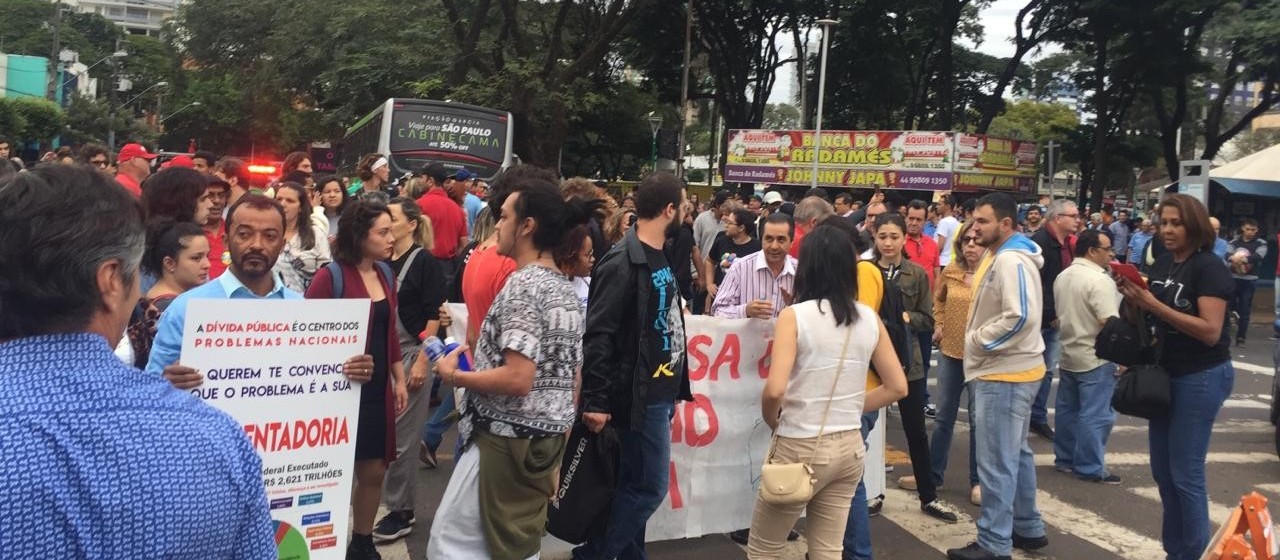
x,y
817,392
177,256
179,194
306,247
333,198
913,283
1187,301
363,242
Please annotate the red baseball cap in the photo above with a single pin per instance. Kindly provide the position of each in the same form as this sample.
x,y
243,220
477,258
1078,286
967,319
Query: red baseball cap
x,y
134,150
178,161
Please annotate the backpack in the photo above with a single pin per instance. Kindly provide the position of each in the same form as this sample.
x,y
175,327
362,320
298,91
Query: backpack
x,y
892,306
335,275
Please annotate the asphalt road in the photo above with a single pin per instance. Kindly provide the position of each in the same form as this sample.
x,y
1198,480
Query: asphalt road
x,y
1084,520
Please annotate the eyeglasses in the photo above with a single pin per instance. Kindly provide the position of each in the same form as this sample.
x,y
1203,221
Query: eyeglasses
x,y
99,162
968,240
1075,216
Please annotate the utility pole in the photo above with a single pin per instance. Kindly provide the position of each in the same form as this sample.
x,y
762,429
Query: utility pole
x,y
53,54
822,85
111,97
1053,184
684,87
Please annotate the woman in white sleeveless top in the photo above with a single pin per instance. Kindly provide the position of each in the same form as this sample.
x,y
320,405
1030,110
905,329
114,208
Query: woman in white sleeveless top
x,y
814,399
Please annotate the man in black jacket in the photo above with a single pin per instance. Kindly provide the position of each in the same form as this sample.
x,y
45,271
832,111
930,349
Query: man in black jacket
x,y
1056,240
634,368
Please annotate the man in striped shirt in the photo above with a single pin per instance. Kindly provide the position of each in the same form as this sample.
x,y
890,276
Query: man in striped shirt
x,y
759,285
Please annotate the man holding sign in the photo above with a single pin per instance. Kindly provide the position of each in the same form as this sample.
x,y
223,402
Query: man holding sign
x,y
168,476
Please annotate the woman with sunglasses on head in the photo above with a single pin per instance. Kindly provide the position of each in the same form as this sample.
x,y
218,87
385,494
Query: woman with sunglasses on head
x,y
1189,291
951,313
306,247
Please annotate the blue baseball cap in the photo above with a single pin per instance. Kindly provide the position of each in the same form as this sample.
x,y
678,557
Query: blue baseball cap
x,y
463,175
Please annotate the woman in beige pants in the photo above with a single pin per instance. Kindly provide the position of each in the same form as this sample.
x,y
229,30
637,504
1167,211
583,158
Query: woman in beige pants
x,y
816,394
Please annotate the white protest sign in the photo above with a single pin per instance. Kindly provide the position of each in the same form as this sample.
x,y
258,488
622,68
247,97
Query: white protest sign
x,y
276,367
719,441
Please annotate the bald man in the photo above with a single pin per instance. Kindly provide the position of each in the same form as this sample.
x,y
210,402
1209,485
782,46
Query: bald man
x,y
1219,244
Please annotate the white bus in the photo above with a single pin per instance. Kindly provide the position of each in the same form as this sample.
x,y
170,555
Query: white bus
x,y
416,132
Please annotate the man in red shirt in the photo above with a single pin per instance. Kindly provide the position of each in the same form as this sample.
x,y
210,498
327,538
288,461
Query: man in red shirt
x,y
809,213
219,258
920,248
448,219
134,166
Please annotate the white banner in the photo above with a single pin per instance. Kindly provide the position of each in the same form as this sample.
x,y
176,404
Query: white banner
x,y
719,441
276,367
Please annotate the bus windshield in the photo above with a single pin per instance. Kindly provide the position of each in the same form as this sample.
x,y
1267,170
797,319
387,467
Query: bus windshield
x,y
451,134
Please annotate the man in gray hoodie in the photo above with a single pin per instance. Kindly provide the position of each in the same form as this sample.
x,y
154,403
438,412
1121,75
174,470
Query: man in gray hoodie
x,y
1004,364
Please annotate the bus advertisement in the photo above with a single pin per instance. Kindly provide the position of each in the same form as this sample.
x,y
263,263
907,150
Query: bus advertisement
x,y
418,132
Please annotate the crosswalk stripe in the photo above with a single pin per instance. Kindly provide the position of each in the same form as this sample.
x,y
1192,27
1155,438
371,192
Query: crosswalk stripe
x,y
1246,403
1135,459
903,509
1269,372
1090,526
1223,426
1218,513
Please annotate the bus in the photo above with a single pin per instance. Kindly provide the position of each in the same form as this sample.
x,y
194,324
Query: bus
x,y
416,132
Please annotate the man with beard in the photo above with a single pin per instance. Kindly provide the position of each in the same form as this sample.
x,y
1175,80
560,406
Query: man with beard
x,y
1034,219
255,238
633,369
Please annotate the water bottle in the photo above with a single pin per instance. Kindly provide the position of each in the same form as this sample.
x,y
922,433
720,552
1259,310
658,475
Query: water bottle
x,y
437,349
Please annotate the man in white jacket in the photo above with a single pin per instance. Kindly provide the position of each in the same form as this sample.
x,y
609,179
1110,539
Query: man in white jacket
x,y
1003,365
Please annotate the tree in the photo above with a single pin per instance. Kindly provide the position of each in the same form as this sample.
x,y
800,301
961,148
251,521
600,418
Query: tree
x,y
781,116
1254,141
43,118
1037,22
1031,120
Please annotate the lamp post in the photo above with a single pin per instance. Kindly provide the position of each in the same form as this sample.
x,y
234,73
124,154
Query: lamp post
x,y
655,124
68,57
180,109
826,24
140,94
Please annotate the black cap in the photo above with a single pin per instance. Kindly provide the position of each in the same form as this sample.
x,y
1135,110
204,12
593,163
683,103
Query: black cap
x,y
721,196
436,171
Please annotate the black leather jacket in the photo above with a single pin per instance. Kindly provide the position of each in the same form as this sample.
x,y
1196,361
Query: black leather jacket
x,y
611,380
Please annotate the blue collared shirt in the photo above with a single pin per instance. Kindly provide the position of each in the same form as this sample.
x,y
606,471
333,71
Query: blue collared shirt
x,y
97,461
1138,246
167,346
473,205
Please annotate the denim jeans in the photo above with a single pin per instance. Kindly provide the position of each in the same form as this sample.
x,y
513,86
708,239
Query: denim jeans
x,y
643,471
1242,303
1006,465
1052,353
433,430
1179,444
1084,420
950,385
924,341
857,531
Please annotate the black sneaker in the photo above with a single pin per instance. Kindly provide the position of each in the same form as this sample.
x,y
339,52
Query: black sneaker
x,y
1043,430
1240,342
393,526
938,509
877,504
973,552
361,548
1030,543
1105,479
930,411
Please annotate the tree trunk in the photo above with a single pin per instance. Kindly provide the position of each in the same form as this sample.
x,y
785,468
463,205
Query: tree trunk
x,y
1102,128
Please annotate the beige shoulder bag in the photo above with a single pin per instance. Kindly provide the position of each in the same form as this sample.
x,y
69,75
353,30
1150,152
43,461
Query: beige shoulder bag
x,y
792,483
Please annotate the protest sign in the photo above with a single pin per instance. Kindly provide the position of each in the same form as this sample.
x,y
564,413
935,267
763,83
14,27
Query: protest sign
x,y
276,367
719,441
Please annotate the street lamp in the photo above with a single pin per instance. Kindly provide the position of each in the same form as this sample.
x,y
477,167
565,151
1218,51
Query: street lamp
x,y
655,124
181,109
140,94
826,24
68,56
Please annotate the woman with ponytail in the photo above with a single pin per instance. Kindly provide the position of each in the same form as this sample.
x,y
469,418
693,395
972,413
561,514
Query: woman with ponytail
x,y
177,255
421,288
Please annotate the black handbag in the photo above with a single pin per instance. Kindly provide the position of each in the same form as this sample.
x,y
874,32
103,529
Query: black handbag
x,y
588,476
1143,390
1120,342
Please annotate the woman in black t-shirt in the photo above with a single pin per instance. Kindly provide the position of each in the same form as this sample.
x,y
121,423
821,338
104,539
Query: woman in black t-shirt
x,y
1190,288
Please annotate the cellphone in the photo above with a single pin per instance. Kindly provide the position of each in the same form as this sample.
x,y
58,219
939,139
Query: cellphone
x,y
1129,272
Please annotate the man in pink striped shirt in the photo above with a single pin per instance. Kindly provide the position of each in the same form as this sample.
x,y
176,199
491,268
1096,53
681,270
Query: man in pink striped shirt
x,y
759,285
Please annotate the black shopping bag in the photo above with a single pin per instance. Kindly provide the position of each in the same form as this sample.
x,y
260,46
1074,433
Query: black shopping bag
x,y
588,475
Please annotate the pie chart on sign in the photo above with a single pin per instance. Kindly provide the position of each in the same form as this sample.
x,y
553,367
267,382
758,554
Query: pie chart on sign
x,y
289,542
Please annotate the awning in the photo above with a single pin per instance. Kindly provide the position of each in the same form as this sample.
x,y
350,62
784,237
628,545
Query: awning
x,y
1250,187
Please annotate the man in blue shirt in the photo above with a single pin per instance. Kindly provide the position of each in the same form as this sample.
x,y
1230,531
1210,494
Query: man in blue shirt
x,y
1143,231
97,459
255,238
463,180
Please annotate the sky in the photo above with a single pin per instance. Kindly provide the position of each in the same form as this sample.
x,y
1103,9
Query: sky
x,y
997,21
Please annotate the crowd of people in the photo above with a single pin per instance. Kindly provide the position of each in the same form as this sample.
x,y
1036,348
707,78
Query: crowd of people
x,y
577,301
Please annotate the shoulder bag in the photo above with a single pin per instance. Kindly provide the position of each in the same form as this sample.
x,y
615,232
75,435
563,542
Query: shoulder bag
x,y
792,483
1143,390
